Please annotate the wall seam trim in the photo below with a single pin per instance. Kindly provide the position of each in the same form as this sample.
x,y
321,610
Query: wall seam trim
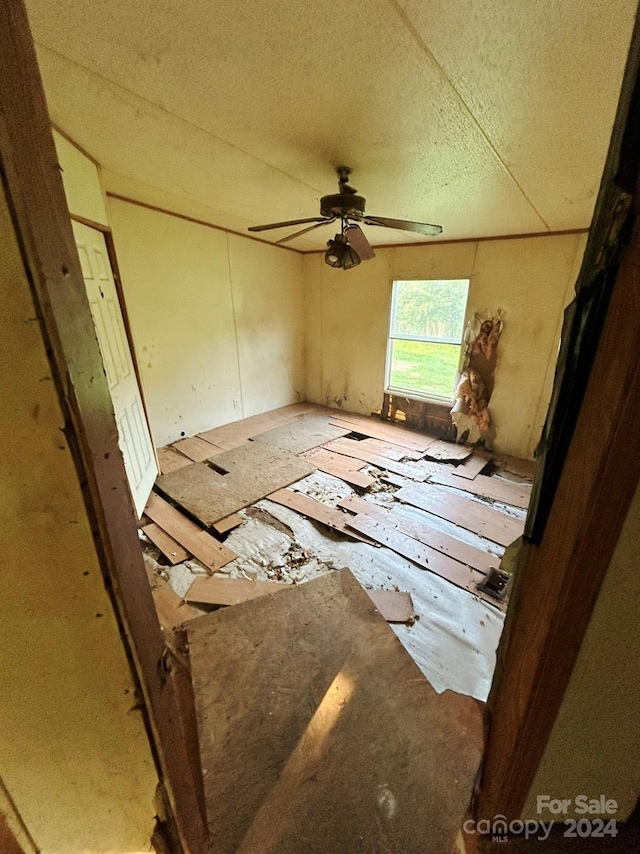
x,y
235,326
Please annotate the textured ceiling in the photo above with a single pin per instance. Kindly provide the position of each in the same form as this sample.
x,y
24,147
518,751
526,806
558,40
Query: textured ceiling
x,y
487,117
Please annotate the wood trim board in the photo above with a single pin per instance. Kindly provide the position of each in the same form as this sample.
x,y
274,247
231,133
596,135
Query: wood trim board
x,y
41,218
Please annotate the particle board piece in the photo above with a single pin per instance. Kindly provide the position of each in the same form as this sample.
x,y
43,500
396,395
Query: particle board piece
x,y
394,605
353,448
169,547
227,524
442,450
473,465
237,433
316,510
515,494
375,429
228,591
199,543
331,463
472,515
196,449
171,460
342,738
252,471
424,533
424,556
302,434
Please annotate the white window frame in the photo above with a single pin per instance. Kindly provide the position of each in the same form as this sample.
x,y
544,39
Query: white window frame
x,y
391,337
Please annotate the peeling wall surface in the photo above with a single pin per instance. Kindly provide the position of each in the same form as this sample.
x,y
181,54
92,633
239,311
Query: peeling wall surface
x,y
217,320
531,279
594,748
74,753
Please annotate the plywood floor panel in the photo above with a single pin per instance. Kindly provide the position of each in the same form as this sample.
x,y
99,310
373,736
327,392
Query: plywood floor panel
x,y
302,434
320,746
252,471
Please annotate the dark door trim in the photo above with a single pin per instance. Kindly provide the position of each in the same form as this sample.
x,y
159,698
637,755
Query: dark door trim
x,y
587,480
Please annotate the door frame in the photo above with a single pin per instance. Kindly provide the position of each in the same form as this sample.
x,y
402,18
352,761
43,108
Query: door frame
x,y
552,599
586,482
31,175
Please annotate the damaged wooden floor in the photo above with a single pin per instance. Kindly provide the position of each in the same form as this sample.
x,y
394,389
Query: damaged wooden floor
x,y
407,514
282,503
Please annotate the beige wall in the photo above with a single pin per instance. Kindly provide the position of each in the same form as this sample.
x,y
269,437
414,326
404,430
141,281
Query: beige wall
x,y
217,320
594,747
74,753
81,179
531,279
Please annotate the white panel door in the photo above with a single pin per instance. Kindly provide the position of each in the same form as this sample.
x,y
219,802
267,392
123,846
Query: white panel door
x,y
133,430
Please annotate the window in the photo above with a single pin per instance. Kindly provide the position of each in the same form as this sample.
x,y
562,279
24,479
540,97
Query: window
x,y
425,335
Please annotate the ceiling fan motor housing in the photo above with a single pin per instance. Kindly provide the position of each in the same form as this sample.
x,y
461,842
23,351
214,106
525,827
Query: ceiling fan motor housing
x,y
342,204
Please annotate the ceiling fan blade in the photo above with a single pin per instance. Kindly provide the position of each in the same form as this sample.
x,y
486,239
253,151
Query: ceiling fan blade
x,y
283,224
404,225
358,240
304,230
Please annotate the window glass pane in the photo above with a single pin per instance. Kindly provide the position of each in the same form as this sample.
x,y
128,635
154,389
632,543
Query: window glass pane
x,y
434,309
424,367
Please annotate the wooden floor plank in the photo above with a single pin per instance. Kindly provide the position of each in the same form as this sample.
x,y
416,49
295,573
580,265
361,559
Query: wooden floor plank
x,y
228,591
393,452
199,543
333,464
227,524
169,547
195,448
171,460
342,744
395,606
515,494
473,465
469,514
442,450
426,557
171,609
315,510
353,448
376,429
424,533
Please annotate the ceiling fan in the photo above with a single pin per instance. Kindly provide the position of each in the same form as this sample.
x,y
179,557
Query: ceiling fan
x,y
350,246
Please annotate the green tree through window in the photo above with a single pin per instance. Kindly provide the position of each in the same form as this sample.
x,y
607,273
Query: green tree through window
x,y
427,322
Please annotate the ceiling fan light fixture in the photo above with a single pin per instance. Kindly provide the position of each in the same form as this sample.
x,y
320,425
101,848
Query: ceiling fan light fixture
x,y
339,254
